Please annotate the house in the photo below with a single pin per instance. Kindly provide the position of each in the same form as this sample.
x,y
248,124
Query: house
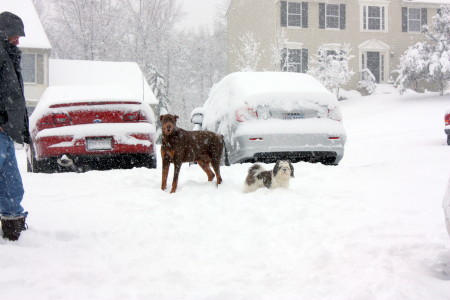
x,y
35,48
84,72
378,32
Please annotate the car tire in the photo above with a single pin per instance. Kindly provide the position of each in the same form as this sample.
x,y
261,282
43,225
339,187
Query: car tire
x,y
226,160
329,161
150,162
36,166
33,165
448,139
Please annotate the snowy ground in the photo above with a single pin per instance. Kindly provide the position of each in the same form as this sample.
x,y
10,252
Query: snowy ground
x,y
371,228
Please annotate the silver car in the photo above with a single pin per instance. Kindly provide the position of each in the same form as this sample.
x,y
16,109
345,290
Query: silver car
x,y
266,116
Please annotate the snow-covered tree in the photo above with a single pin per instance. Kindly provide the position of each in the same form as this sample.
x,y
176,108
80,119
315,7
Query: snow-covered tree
x,y
276,49
84,29
439,37
158,85
413,66
428,60
142,31
248,53
331,68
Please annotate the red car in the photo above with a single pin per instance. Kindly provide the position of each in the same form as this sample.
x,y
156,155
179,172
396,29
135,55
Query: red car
x,y
78,128
447,126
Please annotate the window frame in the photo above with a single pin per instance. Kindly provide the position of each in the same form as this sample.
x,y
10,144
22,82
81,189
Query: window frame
x,y
338,16
301,66
408,19
294,14
288,15
24,69
383,18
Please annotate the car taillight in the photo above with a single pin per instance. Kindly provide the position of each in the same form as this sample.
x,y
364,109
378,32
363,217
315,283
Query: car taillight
x,y
53,120
246,114
61,119
136,116
447,119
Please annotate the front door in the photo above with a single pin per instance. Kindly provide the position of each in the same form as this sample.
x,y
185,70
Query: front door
x,y
373,64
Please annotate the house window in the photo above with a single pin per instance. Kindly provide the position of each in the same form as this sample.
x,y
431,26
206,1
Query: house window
x,y
332,16
294,60
294,14
374,17
33,68
413,19
29,68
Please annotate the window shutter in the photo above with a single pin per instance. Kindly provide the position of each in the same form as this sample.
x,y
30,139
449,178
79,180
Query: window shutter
x,y
321,15
439,11
404,19
305,14
40,69
364,17
342,16
423,16
283,14
304,60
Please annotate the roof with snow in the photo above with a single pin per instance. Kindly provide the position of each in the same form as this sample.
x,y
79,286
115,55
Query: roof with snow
x,y
84,72
35,36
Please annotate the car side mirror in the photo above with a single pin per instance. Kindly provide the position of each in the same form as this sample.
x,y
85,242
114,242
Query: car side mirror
x,y
197,119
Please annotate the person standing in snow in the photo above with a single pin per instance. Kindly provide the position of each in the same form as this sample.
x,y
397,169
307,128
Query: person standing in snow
x,y
13,126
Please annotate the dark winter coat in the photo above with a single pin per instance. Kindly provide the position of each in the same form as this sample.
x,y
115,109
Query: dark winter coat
x,y
13,113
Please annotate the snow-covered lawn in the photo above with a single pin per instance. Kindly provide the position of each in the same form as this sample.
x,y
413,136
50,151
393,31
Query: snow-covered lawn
x,y
371,228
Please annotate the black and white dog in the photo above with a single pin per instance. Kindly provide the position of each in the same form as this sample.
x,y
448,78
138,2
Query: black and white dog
x,y
279,177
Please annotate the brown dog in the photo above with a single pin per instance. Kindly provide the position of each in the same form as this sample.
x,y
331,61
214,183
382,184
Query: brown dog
x,y
179,146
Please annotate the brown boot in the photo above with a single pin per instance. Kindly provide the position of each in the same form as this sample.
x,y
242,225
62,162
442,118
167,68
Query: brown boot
x,y
12,226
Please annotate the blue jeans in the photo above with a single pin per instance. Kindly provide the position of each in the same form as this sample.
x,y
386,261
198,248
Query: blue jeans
x,y
11,187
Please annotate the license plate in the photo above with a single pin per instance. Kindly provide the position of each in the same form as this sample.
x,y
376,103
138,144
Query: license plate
x,y
98,144
292,116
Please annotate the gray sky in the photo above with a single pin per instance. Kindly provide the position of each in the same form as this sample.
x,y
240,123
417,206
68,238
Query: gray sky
x,y
199,12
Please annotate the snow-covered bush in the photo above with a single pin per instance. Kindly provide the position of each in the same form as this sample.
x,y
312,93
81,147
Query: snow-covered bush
x,y
428,60
331,68
368,82
413,67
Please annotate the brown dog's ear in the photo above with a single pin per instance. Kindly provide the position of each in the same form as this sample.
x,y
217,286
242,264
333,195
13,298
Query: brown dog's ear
x,y
176,117
161,117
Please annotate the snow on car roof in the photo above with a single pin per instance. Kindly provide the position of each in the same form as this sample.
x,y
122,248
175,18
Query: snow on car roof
x,y
83,72
83,93
251,87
